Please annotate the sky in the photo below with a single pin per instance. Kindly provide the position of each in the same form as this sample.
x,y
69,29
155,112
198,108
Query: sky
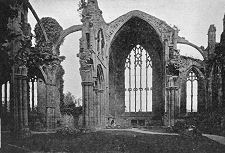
x,y
192,17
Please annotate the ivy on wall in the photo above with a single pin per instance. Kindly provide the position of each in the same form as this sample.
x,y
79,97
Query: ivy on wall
x,y
53,31
60,84
43,53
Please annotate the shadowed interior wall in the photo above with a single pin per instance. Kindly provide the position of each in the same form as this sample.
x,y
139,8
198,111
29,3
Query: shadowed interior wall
x,y
134,32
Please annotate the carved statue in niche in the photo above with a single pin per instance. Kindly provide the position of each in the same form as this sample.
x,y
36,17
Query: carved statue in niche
x,y
100,43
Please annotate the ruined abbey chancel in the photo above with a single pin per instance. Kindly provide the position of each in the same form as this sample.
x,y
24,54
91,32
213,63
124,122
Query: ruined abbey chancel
x,y
132,72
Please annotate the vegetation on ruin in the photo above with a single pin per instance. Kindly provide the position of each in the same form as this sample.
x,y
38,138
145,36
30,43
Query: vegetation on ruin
x,y
114,141
81,5
69,105
53,31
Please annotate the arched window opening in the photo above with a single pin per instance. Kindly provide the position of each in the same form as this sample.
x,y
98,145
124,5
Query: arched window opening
x,y
5,97
138,81
33,93
100,77
192,92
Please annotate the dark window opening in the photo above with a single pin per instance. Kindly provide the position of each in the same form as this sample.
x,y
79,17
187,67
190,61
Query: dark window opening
x,y
88,40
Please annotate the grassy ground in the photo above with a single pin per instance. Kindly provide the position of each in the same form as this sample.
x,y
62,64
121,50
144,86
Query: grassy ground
x,y
112,141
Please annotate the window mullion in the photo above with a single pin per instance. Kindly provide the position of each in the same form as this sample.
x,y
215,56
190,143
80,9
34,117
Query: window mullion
x,y
135,78
146,89
140,49
129,83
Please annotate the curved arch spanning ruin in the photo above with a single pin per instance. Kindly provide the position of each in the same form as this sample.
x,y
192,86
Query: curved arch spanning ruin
x,y
65,33
158,25
182,40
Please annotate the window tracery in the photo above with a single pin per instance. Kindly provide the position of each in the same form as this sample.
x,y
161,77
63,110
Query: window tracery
x,y
138,81
192,92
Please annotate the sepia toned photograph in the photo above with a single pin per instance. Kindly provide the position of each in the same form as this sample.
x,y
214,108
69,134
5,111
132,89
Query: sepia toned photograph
x,y
112,76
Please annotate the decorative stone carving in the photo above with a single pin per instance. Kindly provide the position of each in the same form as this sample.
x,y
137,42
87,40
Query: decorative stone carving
x,y
50,72
100,43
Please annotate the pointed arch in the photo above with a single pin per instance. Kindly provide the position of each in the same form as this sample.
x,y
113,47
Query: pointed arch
x,y
158,25
196,70
192,92
133,32
195,90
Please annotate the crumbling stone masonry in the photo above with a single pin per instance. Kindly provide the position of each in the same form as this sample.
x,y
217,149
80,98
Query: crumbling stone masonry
x,y
104,48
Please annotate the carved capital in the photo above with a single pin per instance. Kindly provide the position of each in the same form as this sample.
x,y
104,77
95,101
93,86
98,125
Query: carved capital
x,y
86,75
50,72
87,84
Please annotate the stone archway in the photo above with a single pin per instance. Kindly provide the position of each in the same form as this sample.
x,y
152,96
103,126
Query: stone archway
x,y
200,90
135,31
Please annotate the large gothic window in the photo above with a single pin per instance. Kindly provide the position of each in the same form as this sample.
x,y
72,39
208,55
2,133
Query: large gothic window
x,y
138,81
192,92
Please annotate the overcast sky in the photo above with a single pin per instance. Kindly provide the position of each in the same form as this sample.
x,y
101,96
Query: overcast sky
x,y
192,17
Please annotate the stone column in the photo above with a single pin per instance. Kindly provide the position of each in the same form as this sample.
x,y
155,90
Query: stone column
x,y
28,97
87,89
99,110
220,88
210,95
19,99
95,103
20,85
172,94
98,106
14,100
25,103
102,108
49,96
166,59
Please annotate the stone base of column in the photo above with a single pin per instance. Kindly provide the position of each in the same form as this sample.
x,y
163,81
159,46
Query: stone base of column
x,y
21,133
24,133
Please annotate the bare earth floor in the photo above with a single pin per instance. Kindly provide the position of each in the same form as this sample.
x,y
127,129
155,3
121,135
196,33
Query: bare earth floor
x,y
111,141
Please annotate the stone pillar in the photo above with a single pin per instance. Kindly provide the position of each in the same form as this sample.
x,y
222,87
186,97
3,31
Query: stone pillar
x,y
91,104
172,100
220,88
20,85
210,95
102,108
52,106
166,59
32,93
14,98
19,99
25,103
99,106
87,89
28,97
95,103
49,96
